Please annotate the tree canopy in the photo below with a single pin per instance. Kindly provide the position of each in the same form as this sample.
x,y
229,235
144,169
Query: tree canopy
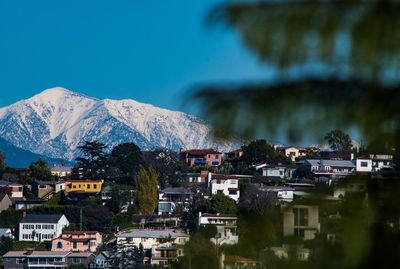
x,y
338,140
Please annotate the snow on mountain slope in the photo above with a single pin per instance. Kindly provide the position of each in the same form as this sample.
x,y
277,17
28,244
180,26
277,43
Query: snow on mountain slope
x,y
56,121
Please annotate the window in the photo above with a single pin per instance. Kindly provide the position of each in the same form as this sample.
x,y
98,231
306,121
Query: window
x,y
220,191
85,243
300,216
88,186
32,227
232,192
74,186
76,260
20,260
216,156
74,244
95,186
364,164
59,245
38,226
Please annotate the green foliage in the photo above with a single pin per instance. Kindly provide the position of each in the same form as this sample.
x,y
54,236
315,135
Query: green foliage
x,y
6,244
10,218
54,200
199,252
77,266
40,170
220,203
259,151
127,158
147,192
338,140
93,162
2,163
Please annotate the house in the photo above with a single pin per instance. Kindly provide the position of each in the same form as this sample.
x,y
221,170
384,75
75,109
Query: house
x,y
60,186
14,190
106,193
170,197
5,201
301,220
279,170
282,193
88,186
77,241
6,232
61,170
41,227
225,184
28,203
226,227
300,253
202,157
30,259
150,237
43,189
291,152
234,154
330,168
101,261
364,164
380,161
162,255
236,262
194,177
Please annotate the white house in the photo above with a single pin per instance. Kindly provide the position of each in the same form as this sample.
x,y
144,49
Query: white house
x,y
150,237
282,193
60,186
41,227
225,184
226,227
364,165
6,232
61,170
380,161
279,170
301,221
330,168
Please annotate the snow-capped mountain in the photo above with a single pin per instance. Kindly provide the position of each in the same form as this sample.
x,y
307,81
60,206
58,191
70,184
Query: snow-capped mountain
x,y
56,121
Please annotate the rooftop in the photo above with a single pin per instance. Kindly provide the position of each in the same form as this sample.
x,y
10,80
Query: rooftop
x,y
201,151
152,233
43,218
25,253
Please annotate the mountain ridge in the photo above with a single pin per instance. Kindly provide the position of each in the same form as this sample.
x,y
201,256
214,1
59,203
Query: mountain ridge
x,y
57,120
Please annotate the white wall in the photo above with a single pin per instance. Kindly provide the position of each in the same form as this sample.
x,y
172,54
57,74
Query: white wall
x,y
363,165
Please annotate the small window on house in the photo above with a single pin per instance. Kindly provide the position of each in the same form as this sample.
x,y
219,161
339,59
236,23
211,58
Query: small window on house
x,y
364,164
220,191
88,186
216,156
59,245
95,186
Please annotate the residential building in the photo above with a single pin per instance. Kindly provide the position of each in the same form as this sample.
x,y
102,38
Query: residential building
x,y
5,201
106,193
283,171
225,184
234,154
43,189
60,186
163,254
30,259
28,203
202,157
150,237
292,152
226,227
101,260
6,232
300,253
364,165
170,197
61,170
301,221
330,168
236,262
380,161
14,190
41,227
77,241
281,193
89,186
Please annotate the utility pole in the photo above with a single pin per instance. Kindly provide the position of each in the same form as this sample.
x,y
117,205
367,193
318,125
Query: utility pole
x,y
80,219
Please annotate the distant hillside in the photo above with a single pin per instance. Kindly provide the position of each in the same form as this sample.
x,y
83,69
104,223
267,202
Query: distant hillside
x,y
20,158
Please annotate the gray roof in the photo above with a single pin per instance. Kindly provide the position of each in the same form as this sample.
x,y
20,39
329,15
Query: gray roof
x,y
177,190
332,163
30,218
152,233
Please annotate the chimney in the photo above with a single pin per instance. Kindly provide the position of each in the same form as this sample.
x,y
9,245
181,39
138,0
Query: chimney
x,y
29,251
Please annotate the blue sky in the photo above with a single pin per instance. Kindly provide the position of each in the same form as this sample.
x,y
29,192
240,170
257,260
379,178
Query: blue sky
x,y
151,51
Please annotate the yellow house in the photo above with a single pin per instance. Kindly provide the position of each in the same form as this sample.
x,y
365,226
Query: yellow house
x,y
83,186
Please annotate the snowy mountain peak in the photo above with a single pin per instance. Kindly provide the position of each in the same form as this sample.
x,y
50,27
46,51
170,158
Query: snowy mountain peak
x,y
56,121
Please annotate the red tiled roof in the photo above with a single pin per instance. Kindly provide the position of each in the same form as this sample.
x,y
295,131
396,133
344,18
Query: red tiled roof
x,y
201,151
239,259
224,177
